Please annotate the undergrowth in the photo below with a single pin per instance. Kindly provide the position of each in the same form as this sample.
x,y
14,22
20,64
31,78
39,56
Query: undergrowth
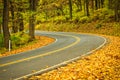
x,y
101,22
17,40
98,27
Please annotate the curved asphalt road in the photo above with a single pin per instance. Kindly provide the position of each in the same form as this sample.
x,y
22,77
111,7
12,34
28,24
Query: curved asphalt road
x,y
66,47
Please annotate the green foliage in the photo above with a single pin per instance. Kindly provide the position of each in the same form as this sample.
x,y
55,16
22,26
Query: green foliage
x,y
1,40
59,19
53,15
102,14
40,18
77,16
116,29
19,39
0,20
98,26
66,27
85,19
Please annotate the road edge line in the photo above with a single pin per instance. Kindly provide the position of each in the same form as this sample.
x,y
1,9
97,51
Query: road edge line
x,y
47,53
63,63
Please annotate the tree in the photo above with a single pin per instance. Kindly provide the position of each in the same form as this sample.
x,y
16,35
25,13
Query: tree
x,y
16,7
0,28
1,15
110,4
21,8
32,9
96,4
92,5
116,8
79,4
86,5
102,3
21,23
14,21
5,23
70,7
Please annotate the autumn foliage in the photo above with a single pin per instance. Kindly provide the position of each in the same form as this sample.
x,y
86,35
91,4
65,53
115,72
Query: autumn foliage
x,y
40,41
104,64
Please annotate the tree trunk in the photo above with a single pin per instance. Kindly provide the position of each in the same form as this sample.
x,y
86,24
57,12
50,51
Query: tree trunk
x,y
102,3
31,20
14,22
116,10
20,19
92,5
87,8
5,23
99,4
70,7
21,24
86,4
96,4
79,5
0,28
31,28
110,4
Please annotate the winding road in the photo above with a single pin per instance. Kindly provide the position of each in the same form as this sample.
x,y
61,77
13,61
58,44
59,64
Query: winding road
x,y
67,47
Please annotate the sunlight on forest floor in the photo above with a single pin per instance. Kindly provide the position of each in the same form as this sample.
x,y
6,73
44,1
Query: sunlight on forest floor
x,y
41,41
103,64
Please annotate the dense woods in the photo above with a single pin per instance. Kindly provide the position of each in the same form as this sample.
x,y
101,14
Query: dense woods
x,y
19,16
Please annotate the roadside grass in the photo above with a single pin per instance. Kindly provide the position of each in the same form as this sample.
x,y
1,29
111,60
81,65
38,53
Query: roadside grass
x,y
39,42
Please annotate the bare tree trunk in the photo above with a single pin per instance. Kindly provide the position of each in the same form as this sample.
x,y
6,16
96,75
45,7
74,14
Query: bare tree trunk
x,y
20,21
116,10
99,4
96,4
70,7
31,28
86,5
92,5
5,23
110,4
31,20
102,3
21,24
0,28
87,8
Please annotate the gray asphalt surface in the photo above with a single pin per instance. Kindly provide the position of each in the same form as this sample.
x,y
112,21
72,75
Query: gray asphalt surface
x,y
67,46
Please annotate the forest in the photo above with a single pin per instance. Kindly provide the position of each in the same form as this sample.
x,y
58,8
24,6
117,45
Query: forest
x,y
20,18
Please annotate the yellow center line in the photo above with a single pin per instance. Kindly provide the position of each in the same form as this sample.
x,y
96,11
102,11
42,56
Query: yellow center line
x,y
45,54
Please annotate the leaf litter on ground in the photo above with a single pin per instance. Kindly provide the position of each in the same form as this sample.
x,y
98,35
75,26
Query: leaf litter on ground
x,y
41,41
103,64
